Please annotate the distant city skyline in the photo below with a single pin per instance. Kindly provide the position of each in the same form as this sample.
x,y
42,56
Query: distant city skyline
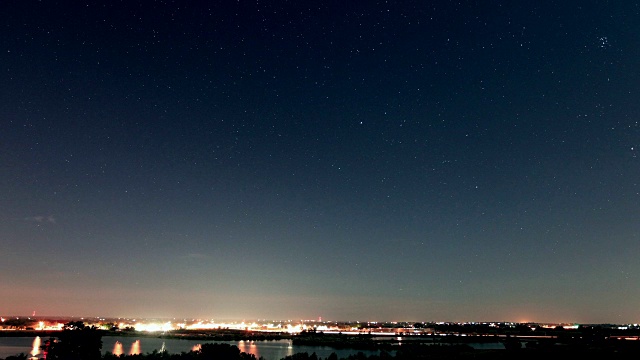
x,y
374,161
40,323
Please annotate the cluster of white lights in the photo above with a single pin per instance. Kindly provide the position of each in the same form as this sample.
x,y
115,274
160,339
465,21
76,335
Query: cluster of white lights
x,y
168,326
154,327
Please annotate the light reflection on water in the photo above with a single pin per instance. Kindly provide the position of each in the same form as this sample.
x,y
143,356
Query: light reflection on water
x,y
117,348
35,351
135,348
249,347
270,350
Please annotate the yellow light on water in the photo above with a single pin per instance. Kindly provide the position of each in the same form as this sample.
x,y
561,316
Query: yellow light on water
x,y
36,346
117,348
135,348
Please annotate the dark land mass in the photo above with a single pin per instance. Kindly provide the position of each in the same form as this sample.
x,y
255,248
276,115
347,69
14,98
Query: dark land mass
x,y
224,335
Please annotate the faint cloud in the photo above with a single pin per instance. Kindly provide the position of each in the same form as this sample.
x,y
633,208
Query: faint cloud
x,y
41,219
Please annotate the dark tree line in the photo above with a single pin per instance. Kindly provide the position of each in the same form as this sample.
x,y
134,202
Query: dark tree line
x,y
75,342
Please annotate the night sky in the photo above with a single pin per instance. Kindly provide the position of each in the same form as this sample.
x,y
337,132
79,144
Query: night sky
x,y
355,160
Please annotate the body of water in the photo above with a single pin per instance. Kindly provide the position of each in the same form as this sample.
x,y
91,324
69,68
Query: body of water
x,y
270,350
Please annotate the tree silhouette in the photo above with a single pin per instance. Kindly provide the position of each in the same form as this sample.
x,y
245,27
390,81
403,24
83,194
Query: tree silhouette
x,y
75,342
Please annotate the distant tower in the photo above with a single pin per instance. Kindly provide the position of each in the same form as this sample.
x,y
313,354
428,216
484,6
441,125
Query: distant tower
x,y
319,318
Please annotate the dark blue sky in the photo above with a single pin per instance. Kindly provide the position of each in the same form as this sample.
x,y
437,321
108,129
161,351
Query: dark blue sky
x,y
391,160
